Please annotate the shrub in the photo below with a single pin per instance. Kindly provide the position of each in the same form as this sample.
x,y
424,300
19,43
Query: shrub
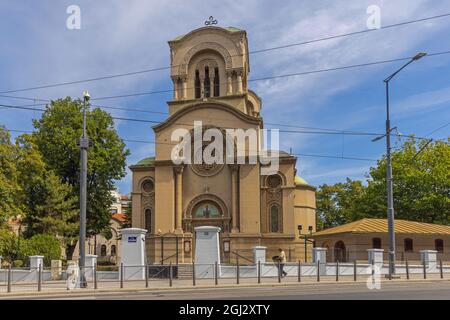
x,y
42,244
18,264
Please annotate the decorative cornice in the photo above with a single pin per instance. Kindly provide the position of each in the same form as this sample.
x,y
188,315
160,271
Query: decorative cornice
x,y
204,105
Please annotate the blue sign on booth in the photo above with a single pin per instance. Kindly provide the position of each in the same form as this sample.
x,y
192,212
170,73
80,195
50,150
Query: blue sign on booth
x,y
132,239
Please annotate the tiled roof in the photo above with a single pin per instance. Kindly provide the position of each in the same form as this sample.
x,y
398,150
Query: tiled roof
x,y
380,226
119,217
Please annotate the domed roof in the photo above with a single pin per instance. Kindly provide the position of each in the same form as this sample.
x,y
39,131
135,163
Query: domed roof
x,y
299,181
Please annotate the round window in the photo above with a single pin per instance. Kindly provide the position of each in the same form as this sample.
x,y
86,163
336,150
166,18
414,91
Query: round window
x,y
274,181
147,186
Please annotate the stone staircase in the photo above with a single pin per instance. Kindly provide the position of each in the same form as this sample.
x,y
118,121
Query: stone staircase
x,y
185,271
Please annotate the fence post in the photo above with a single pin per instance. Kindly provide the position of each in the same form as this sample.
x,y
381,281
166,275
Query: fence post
x,y
259,271
354,270
299,271
424,270
121,275
318,271
193,273
237,270
170,274
9,278
441,270
279,272
337,270
389,268
407,270
95,276
216,273
39,277
146,275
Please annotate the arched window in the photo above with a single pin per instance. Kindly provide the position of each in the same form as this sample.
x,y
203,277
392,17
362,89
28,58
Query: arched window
x,y
376,243
408,245
148,220
103,250
340,253
113,250
216,82
207,83
197,84
439,245
275,218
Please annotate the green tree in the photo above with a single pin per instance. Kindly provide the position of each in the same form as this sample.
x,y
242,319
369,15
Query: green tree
x,y
41,244
421,187
57,134
10,191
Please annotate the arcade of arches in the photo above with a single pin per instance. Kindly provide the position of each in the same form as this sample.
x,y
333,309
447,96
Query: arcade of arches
x,y
209,71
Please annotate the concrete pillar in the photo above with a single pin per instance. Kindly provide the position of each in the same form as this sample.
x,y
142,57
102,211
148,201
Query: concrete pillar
x,y
72,272
429,257
132,251
375,256
319,254
229,84
36,261
178,199
56,269
259,254
234,205
207,251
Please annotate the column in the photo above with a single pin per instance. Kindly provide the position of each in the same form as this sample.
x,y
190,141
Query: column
x,y
175,89
229,83
234,205
202,87
178,199
239,83
184,88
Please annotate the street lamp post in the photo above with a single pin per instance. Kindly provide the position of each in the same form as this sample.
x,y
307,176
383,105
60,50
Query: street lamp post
x,y
390,197
84,145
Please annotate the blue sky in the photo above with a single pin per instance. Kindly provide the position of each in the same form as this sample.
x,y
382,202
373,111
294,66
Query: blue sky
x,y
123,36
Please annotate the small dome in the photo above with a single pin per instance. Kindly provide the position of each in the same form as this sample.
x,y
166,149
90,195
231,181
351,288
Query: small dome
x,y
299,181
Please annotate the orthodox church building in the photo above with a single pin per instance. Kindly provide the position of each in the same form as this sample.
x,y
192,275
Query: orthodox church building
x,y
209,69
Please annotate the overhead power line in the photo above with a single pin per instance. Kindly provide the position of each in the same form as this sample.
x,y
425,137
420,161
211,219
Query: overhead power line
x,y
293,154
65,83
155,122
127,95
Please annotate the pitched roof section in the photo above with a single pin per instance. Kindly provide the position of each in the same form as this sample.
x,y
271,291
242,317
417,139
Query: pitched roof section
x,y
380,226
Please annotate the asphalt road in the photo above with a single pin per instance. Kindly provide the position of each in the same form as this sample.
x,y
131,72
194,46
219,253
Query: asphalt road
x,y
434,290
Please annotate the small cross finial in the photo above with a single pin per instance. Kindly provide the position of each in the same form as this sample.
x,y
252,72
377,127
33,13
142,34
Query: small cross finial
x,y
210,21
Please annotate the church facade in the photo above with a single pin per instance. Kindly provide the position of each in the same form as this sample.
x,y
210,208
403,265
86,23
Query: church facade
x,y
209,70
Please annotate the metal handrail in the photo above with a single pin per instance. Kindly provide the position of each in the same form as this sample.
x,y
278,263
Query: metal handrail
x,y
241,256
161,262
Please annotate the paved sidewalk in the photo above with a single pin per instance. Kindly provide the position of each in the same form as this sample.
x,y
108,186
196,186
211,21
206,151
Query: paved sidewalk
x,y
49,288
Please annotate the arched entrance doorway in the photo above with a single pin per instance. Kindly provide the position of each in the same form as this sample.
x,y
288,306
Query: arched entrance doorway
x,y
340,253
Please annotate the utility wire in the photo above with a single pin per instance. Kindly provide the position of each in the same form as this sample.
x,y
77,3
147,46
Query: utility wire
x,y
283,131
127,95
250,52
294,154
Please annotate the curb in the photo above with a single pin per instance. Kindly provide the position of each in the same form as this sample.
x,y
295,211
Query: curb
x,y
106,292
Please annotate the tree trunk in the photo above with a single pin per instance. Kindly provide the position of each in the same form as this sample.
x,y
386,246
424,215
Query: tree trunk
x,y
70,249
